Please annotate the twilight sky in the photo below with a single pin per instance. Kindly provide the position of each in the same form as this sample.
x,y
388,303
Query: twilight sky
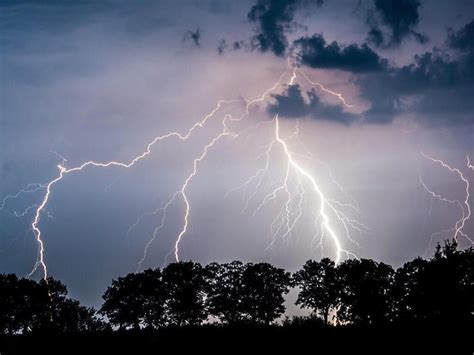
x,y
98,80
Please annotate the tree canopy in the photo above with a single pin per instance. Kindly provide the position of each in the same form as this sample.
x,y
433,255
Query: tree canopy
x,y
363,292
29,306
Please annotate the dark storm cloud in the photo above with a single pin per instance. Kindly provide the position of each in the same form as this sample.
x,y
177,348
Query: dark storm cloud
x,y
316,53
435,86
273,19
439,83
194,36
292,104
392,21
462,40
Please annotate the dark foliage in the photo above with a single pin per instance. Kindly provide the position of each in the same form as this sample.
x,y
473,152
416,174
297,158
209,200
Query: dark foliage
x,y
225,291
319,287
29,306
250,293
358,301
439,289
136,299
185,285
364,294
264,288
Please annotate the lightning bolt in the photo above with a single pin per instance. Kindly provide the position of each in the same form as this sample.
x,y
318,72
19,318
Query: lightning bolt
x,y
324,203
66,171
328,208
295,69
30,188
183,190
435,196
164,211
320,86
291,211
286,210
464,206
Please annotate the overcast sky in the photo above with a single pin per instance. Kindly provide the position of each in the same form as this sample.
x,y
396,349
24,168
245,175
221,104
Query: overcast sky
x,y
98,80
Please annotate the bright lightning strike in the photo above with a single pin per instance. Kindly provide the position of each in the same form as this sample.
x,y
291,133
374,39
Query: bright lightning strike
x,y
328,208
324,203
30,188
464,206
292,209
64,171
182,191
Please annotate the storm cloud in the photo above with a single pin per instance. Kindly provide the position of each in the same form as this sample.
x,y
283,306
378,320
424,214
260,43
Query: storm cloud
x,y
193,36
316,53
292,104
435,84
273,19
439,82
392,21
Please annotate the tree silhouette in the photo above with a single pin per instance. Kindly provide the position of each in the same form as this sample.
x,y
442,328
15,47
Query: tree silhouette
x,y
441,288
407,291
10,301
319,287
225,291
136,299
360,292
49,298
72,317
29,306
449,278
185,284
54,312
264,287
365,292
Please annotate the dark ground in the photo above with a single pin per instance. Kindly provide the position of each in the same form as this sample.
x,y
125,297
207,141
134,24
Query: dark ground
x,y
419,338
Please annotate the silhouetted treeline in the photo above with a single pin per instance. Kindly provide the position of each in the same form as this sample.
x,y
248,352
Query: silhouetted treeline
x,y
356,292
30,306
